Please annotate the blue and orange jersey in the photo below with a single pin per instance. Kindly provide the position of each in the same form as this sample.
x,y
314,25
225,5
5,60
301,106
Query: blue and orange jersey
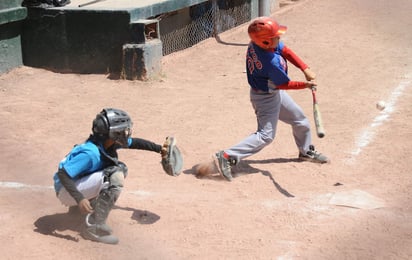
x,y
267,70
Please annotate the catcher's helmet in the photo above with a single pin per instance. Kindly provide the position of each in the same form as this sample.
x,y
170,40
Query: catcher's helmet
x,y
263,29
114,124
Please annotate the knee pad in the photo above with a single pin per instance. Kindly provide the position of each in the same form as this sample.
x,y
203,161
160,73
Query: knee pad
x,y
115,175
116,179
108,171
124,168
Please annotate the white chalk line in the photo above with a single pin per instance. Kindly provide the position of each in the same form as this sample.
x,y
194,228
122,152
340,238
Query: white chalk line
x,y
19,185
368,134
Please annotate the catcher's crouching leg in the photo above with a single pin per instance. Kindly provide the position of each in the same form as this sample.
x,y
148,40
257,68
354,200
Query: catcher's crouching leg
x,y
96,227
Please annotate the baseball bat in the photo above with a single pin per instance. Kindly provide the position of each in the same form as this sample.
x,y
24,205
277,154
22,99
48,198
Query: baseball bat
x,y
317,116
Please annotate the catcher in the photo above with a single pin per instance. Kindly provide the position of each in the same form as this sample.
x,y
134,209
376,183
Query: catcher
x,y
90,178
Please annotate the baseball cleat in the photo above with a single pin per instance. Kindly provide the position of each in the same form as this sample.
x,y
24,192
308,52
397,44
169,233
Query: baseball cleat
x,y
99,233
94,234
224,165
103,227
313,156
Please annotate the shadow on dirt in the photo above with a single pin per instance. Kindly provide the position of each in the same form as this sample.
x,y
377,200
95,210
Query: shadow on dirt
x,y
275,160
58,224
52,225
229,43
243,168
143,217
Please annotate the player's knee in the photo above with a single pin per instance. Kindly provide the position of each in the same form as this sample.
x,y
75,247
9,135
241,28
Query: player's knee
x,y
115,175
304,125
123,168
267,138
117,179
266,135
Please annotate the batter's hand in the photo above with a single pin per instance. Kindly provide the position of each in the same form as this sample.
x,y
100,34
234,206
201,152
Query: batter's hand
x,y
309,74
85,207
310,84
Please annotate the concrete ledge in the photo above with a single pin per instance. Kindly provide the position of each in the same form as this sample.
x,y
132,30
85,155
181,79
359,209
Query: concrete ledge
x,y
142,61
12,14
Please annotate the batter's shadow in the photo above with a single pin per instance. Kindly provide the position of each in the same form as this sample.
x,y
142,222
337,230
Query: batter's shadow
x,y
274,160
58,224
245,167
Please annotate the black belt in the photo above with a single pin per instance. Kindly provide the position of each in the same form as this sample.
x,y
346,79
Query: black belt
x,y
260,92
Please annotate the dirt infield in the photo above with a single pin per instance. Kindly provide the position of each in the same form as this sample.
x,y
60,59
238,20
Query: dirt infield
x,y
356,207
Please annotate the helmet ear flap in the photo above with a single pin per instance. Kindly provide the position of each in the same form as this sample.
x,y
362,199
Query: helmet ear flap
x,y
101,124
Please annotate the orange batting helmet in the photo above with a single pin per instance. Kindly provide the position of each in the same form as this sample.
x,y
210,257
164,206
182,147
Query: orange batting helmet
x,y
263,29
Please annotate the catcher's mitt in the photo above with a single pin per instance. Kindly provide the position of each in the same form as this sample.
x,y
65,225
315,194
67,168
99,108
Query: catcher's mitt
x,y
172,160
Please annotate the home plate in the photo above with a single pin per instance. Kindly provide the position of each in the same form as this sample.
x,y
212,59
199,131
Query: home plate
x,y
356,199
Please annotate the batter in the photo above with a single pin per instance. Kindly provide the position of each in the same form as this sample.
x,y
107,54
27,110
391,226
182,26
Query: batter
x,y
267,75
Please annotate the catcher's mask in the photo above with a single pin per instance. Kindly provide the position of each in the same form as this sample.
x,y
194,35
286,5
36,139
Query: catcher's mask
x,y
114,124
263,29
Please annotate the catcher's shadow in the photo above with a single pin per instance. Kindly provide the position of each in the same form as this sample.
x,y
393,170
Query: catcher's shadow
x,y
143,217
58,224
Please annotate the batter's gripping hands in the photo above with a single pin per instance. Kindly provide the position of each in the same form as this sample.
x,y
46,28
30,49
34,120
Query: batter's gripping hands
x,y
172,160
309,74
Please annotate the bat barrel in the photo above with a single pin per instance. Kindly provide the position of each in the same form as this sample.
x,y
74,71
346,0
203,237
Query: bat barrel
x,y
317,116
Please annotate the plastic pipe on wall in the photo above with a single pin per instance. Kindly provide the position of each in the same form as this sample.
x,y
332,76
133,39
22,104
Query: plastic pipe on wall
x,y
264,7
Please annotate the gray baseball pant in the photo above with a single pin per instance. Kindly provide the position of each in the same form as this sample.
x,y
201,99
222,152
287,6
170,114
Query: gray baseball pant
x,y
269,109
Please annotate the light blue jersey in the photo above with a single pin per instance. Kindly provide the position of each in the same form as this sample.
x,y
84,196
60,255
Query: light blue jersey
x,y
83,159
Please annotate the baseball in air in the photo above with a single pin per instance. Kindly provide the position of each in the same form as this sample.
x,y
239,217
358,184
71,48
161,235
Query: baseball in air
x,y
381,105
